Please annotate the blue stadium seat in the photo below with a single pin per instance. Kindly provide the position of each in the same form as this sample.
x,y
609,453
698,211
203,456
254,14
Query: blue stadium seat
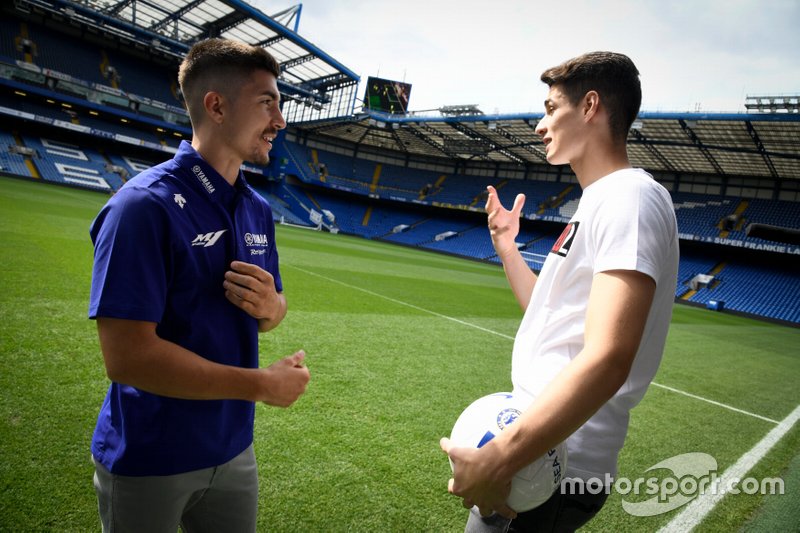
x,y
71,164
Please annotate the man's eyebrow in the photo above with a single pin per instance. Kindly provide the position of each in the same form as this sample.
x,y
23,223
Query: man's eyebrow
x,y
272,94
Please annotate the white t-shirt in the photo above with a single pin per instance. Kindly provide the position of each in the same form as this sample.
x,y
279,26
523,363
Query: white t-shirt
x,y
625,221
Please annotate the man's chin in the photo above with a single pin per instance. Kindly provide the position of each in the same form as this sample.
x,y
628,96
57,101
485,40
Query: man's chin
x,y
262,160
553,160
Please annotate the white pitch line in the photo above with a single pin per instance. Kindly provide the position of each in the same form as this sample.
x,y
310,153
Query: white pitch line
x,y
718,404
697,509
399,302
469,324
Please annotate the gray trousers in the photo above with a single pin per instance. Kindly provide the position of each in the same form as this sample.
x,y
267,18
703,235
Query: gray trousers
x,y
222,498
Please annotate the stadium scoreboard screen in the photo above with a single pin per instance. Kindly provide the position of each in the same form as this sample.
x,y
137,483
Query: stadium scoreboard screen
x,y
386,95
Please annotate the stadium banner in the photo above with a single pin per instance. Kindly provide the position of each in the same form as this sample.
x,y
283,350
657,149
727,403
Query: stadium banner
x,y
126,139
102,133
56,75
548,218
760,246
341,188
91,131
159,147
108,90
158,105
28,66
70,126
17,113
171,108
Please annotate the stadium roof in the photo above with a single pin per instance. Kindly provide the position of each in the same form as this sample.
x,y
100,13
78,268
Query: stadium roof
x,y
320,96
310,77
752,145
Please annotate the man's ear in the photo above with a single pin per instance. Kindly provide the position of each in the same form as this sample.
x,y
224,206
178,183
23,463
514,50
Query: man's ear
x,y
214,106
591,105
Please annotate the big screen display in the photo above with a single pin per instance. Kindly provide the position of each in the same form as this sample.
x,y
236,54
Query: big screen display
x,y
387,96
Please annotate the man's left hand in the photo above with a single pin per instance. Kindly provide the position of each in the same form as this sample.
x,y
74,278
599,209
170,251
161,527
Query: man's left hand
x,y
477,480
252,289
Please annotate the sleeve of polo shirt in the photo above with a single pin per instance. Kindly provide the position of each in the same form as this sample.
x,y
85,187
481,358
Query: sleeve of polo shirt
x,y
272,263
129,276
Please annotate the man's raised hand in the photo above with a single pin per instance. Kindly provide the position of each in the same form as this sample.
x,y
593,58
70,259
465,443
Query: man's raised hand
x,y
503,224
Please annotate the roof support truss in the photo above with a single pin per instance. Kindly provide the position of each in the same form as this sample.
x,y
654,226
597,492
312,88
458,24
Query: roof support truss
x,y
493,146
699,144
297,61
655,152
113,9
519,143
174,17
426,137
760,147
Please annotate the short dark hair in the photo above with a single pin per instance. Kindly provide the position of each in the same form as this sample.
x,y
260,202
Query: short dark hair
x,y
612,75
218,65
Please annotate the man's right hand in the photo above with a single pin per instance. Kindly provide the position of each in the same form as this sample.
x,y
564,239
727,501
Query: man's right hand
x,y
285,380
503,224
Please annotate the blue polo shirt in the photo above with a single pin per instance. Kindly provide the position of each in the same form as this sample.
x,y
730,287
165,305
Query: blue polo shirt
x,y
162,245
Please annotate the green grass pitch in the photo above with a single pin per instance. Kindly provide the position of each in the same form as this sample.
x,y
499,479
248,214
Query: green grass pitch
x,y
399,341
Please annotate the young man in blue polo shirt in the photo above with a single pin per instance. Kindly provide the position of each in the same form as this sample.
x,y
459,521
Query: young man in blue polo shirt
x,y
185,277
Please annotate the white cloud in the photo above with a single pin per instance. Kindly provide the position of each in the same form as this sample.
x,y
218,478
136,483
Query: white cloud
x,y
705,54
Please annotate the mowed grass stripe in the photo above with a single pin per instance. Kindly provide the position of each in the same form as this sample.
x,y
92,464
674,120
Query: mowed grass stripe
x,y
406,304
509,337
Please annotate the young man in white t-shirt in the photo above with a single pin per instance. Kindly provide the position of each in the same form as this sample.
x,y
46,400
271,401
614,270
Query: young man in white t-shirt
x,y
596,316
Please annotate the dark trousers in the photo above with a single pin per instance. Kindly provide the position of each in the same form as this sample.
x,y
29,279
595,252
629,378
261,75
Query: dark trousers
x,y
562,513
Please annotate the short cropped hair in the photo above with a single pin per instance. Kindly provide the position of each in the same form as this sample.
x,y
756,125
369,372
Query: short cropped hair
x,y
612,75
220,65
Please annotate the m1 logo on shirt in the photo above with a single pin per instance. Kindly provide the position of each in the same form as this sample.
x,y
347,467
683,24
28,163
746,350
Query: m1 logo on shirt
x,y
564,242
208,239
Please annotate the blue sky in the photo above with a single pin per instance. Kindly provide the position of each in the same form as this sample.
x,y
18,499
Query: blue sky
x,y
693,55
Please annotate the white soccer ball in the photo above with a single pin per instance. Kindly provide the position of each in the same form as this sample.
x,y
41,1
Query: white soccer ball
x,y
483,420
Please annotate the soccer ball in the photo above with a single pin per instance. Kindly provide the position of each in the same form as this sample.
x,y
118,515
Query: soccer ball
x,y
482,420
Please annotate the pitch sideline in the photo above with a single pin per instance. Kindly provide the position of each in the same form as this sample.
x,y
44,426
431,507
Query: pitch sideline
x,y
696,511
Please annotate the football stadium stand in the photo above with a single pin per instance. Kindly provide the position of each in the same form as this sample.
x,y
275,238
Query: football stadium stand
x,y
61,162
11,160
751,290
92,103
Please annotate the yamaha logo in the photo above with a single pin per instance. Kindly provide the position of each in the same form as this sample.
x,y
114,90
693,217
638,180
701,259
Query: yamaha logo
x,y
201,176
256,239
